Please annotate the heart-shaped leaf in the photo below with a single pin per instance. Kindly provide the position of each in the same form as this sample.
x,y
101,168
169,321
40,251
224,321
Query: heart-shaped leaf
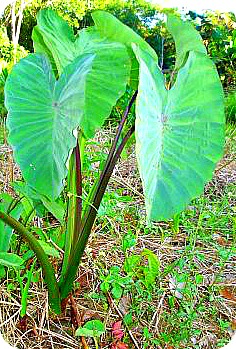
x,y
41,47
107,81
179,133
92,328
110,27
186,38
54,36
43,113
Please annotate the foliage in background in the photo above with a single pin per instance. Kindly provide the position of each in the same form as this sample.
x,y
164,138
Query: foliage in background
x,y
219,34
137,14
217,30
7,55
144,18
7,50
3,77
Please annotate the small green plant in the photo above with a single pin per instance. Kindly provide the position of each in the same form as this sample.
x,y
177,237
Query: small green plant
x,y
115,282
24,288
8,259
93,329
139,271
59,96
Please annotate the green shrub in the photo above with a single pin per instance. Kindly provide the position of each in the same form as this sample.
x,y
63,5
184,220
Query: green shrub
x,y
7,50
6,63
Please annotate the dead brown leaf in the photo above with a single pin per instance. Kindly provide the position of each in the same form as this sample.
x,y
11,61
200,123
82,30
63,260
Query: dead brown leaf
x,y
227,294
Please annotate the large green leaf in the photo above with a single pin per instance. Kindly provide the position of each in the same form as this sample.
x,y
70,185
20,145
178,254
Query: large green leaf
x,y
186,38
111,67
110,27
43,113
107,81
54,36
41,47
179,133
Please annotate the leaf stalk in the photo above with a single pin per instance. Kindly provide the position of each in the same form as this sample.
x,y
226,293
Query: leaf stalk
x,y
49,274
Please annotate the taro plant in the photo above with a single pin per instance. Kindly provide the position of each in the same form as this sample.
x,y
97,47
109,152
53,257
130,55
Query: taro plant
x,y
59,96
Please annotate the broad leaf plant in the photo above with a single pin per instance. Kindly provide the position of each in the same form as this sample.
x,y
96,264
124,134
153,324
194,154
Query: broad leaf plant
x,y
59,96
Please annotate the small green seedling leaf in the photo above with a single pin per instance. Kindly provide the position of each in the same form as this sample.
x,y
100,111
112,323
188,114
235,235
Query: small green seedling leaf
x,y
93,328
117,290
199,279
129,241
128,318
105,286
152,270
10,260
132,263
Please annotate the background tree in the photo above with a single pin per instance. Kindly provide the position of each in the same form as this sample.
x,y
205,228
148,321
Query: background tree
x,y
148,20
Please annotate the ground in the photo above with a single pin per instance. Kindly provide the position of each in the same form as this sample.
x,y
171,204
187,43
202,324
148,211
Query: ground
x,y
189,303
